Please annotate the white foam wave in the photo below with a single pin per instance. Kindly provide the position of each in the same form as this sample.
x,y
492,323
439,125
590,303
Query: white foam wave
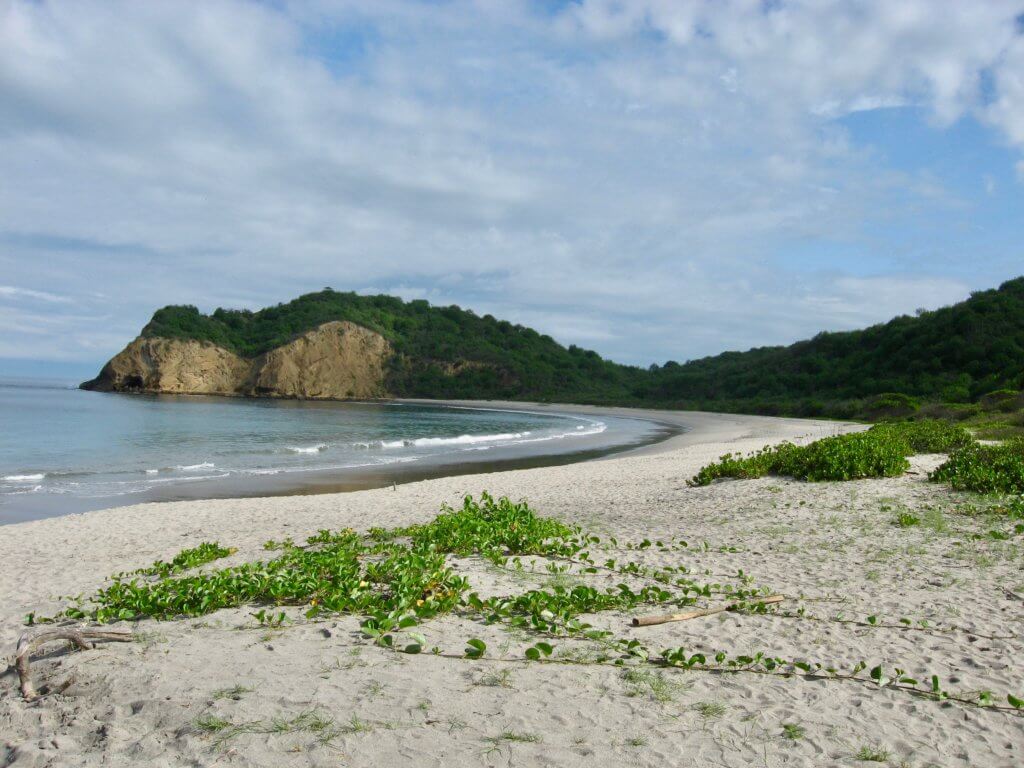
x,y
195,467
24,478
508,438
320,448
423,442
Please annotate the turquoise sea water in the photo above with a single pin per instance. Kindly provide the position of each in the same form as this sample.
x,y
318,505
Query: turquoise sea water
x,y
63,450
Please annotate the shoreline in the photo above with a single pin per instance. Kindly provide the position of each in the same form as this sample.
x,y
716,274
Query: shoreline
x,y
694,427
673,429
626,431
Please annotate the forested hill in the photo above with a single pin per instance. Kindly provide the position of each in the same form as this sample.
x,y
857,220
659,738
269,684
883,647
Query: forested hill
x,y
441,352
955,354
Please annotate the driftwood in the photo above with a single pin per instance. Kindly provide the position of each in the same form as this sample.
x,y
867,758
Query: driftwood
x,y
647,621
78,637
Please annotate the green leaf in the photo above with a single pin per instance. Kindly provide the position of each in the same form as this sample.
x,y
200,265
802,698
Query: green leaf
x,y
1014,701
475,648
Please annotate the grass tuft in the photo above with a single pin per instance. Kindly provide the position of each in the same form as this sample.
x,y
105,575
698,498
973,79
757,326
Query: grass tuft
x,y
873,755
793,731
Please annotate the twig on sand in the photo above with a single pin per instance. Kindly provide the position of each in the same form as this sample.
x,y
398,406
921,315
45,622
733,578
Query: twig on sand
x,y
78,637
647,621
1013,595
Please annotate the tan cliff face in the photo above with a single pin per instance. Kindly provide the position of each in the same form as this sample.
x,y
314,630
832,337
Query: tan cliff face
x,y
335,361
172,366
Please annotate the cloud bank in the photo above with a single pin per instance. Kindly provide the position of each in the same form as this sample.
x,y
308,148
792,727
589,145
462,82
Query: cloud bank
x,y
655,179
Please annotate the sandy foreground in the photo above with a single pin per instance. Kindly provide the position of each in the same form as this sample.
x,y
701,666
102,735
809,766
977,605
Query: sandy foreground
x,y
318,693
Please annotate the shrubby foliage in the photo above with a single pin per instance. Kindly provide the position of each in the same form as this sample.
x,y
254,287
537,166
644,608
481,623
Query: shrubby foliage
x,y
843,457
927,436
879,452
985,468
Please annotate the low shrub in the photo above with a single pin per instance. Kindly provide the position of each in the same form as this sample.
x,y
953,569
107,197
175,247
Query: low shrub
x,y
879,452
1006,400
949,411
985,468
848,457
843,457
491,528
733,465
891,405
928,436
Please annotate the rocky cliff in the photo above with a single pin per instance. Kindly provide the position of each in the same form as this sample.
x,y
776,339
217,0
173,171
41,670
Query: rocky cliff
x,y
335,361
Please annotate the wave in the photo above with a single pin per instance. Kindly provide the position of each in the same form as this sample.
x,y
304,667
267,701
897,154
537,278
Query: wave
x,y
320,448
510,438
421,442
24,478
195,467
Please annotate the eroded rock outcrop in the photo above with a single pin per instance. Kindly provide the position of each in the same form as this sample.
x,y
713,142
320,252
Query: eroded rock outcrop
x,y
172,366
336,360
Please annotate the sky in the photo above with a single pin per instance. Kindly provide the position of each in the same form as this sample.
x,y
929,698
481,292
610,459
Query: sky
x,y
653,179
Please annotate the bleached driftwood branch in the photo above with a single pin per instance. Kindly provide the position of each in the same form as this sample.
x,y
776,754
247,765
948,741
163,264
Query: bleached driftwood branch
x,y
78,637
648,621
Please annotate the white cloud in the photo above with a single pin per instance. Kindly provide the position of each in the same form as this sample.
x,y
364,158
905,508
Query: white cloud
x,y
622,174
13,292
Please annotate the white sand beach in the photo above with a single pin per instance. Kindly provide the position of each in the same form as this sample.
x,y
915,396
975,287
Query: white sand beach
x,y
318,693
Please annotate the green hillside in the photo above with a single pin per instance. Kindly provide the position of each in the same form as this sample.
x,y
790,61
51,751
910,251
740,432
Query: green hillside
x,y
442,352
955,354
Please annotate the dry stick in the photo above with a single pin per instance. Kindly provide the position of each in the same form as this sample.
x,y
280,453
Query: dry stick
x,y
647,621
79,637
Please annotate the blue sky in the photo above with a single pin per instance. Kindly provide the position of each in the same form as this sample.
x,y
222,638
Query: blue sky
x,y
653,179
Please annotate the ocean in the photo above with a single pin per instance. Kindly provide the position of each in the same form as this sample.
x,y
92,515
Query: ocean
x,y
63,450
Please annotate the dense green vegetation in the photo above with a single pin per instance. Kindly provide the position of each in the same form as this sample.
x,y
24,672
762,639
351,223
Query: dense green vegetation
x,y
955,354
879,452
985,468
926,436
972,351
